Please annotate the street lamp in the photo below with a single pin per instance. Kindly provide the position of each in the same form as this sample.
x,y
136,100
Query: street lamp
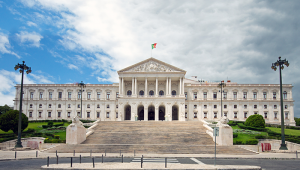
x,y
279,63
82,85
22,68
221,85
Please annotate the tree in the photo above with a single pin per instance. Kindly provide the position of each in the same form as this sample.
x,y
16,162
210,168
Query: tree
x,y
10,120
256,121
297,120
4,109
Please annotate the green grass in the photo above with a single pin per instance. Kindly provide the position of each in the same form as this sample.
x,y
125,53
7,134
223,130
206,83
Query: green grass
x,y
293,132
244,137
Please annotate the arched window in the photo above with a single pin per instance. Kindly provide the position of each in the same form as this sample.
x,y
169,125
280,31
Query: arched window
x,y
151,93
284,95
173,93
161,93
141,92
129,92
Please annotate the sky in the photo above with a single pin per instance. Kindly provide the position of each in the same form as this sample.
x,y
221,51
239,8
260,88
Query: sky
x,y
67,41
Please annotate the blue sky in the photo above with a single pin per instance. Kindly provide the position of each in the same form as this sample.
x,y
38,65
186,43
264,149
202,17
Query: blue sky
x,y
71,41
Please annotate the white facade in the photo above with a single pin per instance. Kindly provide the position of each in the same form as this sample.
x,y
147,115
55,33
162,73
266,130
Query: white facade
x,y
154,90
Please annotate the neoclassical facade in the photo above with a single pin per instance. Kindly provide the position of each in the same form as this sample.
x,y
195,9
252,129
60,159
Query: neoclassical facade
x,y
152,90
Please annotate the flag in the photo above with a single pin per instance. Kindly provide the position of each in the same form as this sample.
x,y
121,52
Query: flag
x,y
153,45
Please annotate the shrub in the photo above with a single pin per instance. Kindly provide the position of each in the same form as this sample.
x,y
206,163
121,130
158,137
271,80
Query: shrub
x,y
255,121
10,121
235,135
238,142
45,126
260,137
56,136
50,123
47,140
55,141
251,142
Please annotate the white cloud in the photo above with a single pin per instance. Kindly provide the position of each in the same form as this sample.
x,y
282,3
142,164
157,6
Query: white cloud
x,y
72,67
4,45
29,23
33,37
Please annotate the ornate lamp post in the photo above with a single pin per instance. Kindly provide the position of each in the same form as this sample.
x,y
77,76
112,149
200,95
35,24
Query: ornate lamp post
x,y
82,85
221,85
279,63
22,68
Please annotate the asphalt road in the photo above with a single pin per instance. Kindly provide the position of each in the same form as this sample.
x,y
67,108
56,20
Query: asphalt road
x,y
268,164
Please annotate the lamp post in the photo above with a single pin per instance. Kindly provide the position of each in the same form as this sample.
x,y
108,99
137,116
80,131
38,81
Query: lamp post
x,y
22,68
82,85
221,85
279,63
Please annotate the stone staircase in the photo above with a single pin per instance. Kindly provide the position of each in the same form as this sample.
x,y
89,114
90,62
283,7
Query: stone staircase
x,y
150,137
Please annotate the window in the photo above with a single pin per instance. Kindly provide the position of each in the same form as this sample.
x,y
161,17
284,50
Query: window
x,y
255,106
69,95
30,106
266,115
234,95
98,114
286,115
274,95
79,95
265,106
117,115
285,106
151,93
204,95
224,95
40,114
50,95
215,95
98,105
69,114
275,115
284,95
141,93
58,114
215,106
185,94
205,106
117,94
195,114
40,105
107,114
69,105
215,115
30,114
88,114
173,93
245,95
88,106
185,106
41,95
185,114
245,114
98,95
225,106
195,106
49,106
161,93
245,106
59,95
235,106
254,95
49,114
275,106
235,115
117,106
265,95
31,95
195,95
107,106
225,114
78,106
88,95
59,105
129,92
107,95
78,114
255,113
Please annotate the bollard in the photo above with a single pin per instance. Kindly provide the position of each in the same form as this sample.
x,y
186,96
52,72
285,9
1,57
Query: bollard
x,y
142,162
102,158
122,158
80,159
120,152
165,162
71,161
56,159
74,153
296,154
56,152
36,155
15,154
105,152
48,161
93,163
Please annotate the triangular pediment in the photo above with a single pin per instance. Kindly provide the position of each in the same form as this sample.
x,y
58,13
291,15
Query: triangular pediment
x,y
151,65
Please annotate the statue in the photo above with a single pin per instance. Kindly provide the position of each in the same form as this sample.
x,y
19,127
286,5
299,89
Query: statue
x,y
223,122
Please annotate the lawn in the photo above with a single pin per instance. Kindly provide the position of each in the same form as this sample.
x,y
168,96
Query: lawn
x,y
292,132
244,136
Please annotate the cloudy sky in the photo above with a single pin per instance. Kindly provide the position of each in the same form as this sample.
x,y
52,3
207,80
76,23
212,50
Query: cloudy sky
x,y
71,41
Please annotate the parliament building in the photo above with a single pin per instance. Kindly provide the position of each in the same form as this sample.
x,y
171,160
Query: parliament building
x,y
152,90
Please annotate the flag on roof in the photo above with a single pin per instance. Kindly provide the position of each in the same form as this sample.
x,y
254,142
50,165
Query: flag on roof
x,y
153,45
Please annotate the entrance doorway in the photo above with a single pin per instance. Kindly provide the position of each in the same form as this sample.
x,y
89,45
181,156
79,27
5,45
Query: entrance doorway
x,y
151,113
174,112
127,111
161,113
141,113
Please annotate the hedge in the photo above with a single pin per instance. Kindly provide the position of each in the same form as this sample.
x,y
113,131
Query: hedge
x,y
251,142
235,135
242,126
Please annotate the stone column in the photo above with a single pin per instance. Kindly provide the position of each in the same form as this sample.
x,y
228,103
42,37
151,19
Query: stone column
x,y
123,87
135,85
156,87
180,87
145,113
146,88
170,87
132,86
119,86
156,113
167,86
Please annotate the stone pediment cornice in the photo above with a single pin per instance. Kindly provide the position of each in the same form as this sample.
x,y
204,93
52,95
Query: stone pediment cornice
x,y
152,65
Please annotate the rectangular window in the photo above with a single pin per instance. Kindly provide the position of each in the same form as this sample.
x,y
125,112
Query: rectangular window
x,y
79,95
107,106
215,115
58,114
224,95
234,95
49,114
204,95
88,106
41,95
195,95
235,106
117,106
266,115
98,105
59,95
88,114
205,106
69,95
225,106
185,94
31,95
30,106
255,106
245,95
275,106
117,115
78,114
225,114
78,106
245,106
215,106
40,114
265,106
69,114
59,105
215,95
285,106
274,95
98,114
117,94
185,114
50,95
49,105
275,115
69,105
185,106
286,115
88,95
235,115
205,114
195,114
98,95
107,95
107,114
255,113
254,95
195,106
30,114
265,95
284,95
245,114
40,105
